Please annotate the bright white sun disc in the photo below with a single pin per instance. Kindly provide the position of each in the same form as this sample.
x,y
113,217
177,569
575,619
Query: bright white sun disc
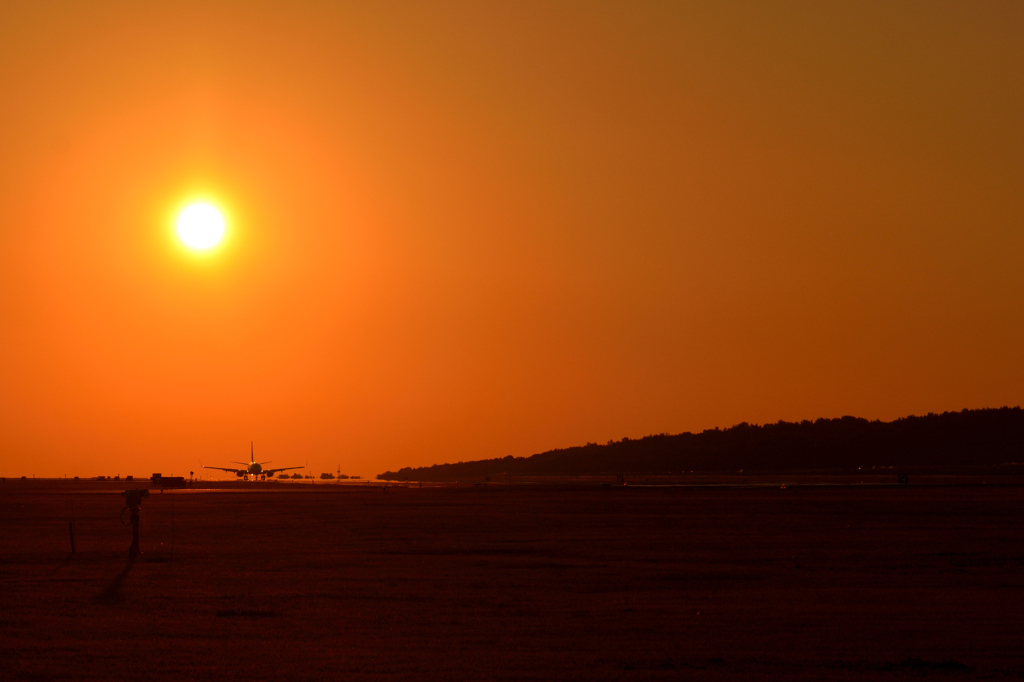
x,y
200,226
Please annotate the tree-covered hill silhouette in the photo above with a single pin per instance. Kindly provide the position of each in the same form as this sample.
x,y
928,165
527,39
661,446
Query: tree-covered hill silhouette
x,y
985,437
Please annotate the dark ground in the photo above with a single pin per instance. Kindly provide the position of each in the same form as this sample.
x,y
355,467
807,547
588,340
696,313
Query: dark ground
x,y
292,581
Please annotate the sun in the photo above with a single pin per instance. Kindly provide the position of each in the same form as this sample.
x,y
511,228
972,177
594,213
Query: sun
x,y
200,226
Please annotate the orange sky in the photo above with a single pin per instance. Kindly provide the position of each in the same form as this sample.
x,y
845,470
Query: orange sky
x,y
461,231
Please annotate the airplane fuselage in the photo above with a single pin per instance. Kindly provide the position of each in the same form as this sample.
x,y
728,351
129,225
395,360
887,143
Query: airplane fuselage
x,y
254,469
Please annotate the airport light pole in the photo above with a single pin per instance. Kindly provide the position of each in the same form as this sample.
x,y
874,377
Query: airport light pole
x,y
132,501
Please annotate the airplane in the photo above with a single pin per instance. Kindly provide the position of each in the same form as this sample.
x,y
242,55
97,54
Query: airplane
x,y
252,468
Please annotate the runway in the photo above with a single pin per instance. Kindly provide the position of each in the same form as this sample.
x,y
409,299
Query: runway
x,y
514,582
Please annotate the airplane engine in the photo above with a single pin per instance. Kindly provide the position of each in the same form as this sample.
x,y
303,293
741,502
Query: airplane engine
x,y
239,474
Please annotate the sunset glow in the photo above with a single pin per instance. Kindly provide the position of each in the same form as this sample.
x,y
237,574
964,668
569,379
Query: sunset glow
x,y
375,239
591,340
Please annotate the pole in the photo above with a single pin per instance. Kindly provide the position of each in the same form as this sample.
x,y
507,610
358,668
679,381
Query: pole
x,y
133,499
71,527
134,549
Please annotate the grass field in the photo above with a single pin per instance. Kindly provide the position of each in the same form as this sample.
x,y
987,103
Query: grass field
x,y
290,581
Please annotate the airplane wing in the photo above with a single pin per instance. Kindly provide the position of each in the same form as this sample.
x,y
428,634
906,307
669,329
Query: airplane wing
x,y
271,472
234,471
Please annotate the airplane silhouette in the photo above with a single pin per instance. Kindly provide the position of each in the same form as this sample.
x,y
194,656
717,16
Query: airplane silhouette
x,y
252,468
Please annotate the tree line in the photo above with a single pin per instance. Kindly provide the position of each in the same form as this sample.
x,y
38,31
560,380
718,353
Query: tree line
x,y
985,437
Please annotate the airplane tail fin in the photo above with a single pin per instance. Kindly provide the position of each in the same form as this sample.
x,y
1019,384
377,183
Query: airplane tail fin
x,y
252,455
